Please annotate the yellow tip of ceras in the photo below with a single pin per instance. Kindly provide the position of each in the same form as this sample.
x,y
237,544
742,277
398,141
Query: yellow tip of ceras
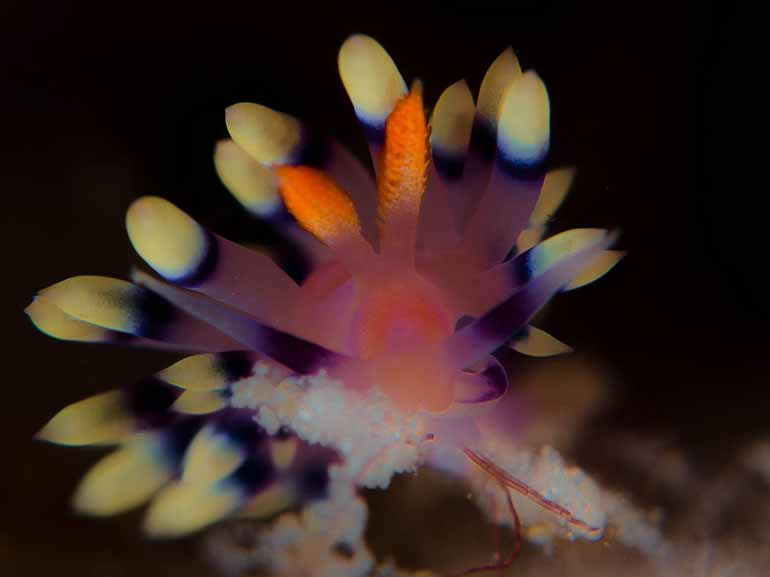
x,y
252,183
167,239
452,120
98,420
182,508
268,136
370,77
503,71
106,302
51,320
524,120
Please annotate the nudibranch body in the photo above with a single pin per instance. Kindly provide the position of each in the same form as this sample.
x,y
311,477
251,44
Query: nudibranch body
x,y
381,360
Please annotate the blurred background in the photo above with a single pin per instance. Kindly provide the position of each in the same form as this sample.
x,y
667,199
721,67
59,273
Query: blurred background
x,y
103,102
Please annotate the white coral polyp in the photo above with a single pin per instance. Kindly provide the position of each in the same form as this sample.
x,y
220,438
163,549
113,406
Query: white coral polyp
x,y
375,439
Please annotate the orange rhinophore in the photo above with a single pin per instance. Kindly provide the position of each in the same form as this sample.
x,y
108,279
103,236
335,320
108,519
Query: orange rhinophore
x,y
403,173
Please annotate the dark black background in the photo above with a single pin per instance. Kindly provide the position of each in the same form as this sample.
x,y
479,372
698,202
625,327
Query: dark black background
x,y
102,102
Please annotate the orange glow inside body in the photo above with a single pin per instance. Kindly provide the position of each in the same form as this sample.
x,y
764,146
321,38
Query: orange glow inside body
x,y
395,326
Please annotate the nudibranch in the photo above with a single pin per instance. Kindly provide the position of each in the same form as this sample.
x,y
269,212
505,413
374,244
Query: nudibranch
x,y
382,358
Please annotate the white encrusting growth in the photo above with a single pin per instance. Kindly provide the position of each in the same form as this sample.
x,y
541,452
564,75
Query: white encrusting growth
x,y
568,486
324,539
634,527
547,473
375,439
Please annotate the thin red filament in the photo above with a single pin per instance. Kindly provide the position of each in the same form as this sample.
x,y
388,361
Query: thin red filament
x,y
508,483
523,489
504,564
